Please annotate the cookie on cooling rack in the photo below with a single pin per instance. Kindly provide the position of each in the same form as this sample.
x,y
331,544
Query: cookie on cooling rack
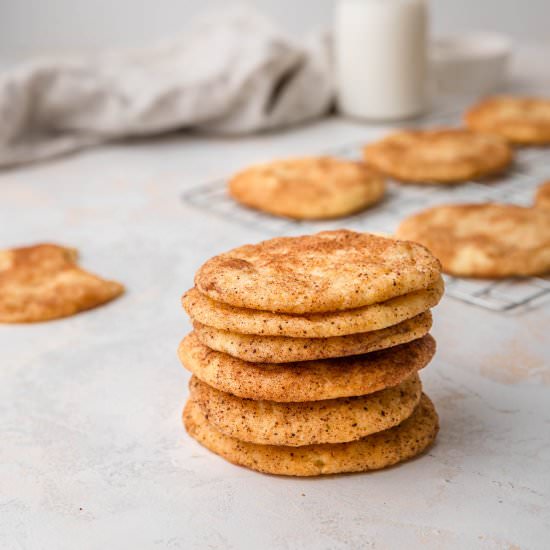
x,y
521,120
483,240
443,155
308,188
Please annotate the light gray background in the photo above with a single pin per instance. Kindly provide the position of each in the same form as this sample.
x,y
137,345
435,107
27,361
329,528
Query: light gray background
x,y
36,26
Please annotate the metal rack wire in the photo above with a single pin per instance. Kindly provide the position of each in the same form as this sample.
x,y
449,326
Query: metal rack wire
x,y
517,186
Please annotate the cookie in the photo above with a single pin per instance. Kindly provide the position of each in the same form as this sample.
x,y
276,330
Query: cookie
x,y
308,188
282,349
484,240
373,452
314,325
446,155
521,120
43,282
309,380
329,271
542,199
309,422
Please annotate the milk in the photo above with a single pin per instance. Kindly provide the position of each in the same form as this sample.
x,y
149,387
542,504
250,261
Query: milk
x,y
381,58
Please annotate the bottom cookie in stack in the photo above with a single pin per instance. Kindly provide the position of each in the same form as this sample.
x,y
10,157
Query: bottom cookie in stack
x,y
376,451
328,416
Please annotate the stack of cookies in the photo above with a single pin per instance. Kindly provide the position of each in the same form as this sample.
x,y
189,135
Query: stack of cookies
x,y
306,350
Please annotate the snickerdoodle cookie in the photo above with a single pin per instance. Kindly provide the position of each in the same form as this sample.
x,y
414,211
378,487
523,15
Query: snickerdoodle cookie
x,y
203,309
43,282
326,272
373,452
306,422
307,380
521,120
283,349
444,155
484,240
308,188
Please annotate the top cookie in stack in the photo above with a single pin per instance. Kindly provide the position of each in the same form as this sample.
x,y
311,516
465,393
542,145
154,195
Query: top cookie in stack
x,y
278,352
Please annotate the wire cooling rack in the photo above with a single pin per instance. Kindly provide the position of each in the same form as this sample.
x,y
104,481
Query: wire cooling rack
x,y
517,186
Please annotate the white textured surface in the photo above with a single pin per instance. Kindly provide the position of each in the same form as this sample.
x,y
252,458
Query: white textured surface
x,y
92,452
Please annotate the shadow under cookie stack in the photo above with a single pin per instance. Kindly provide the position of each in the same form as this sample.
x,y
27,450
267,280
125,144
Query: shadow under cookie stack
x,y
306,350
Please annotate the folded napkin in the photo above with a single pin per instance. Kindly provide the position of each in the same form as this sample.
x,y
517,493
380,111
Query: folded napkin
x,y
233,72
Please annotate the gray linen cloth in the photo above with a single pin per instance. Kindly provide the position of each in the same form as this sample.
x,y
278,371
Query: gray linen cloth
x,y
233,72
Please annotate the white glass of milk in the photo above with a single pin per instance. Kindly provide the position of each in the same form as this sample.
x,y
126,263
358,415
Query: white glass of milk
x,y
381,59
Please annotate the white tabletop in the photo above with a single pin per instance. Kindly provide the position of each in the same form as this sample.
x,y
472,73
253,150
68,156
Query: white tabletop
x,y
93,453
